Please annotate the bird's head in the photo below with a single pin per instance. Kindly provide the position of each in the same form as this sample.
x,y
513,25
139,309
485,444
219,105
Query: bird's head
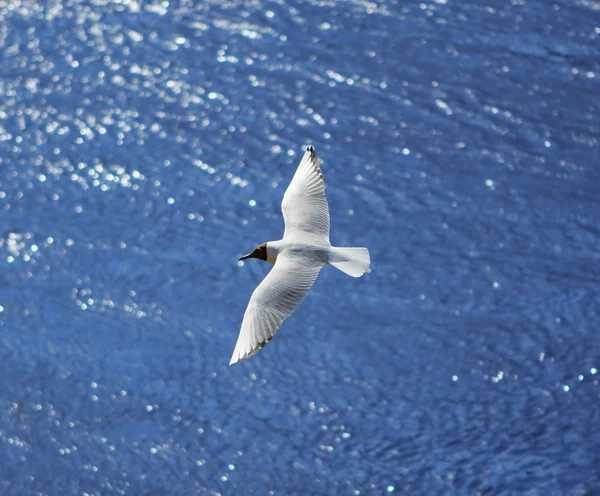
x,y
259,252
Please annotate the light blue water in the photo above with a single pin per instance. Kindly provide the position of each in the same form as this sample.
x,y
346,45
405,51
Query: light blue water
x,y
144,146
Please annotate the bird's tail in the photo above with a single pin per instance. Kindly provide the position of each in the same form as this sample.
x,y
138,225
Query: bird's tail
x,y
353,261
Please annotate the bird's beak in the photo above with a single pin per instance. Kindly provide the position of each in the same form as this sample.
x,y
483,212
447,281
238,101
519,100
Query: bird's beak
x,y
245,257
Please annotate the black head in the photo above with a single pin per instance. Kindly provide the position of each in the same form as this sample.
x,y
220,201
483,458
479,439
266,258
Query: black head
x,y
259,252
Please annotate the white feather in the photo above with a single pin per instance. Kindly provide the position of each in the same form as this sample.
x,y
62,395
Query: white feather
x,y
304,204
273,301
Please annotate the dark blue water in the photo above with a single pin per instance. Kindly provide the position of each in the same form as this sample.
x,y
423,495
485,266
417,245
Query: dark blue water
x,y
144,146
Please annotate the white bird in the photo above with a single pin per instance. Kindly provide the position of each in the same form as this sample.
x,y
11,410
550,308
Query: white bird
x,y
298,258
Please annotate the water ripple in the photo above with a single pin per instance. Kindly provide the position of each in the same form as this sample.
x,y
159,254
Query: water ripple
x,y
146,145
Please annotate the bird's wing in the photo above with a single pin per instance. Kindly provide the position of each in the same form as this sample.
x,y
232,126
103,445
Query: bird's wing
x,y
272,302
304,205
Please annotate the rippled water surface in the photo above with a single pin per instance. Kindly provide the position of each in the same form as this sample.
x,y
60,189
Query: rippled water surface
x,y
144,146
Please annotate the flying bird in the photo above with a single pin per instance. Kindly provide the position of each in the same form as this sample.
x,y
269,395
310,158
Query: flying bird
x,y
298,258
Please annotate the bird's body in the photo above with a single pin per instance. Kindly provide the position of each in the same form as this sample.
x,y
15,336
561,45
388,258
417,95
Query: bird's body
x,y
298,258
312,251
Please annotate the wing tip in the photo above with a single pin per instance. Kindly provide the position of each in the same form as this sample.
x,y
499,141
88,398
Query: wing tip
x,y
241,356
315,162
238,356
313,155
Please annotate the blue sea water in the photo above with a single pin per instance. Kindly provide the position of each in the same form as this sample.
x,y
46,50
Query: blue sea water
x,y
146,145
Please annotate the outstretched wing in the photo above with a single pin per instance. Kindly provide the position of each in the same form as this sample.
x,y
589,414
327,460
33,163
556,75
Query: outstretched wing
x,y
274,300
304,204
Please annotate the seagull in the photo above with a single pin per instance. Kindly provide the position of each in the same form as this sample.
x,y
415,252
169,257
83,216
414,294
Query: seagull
x,y
297,258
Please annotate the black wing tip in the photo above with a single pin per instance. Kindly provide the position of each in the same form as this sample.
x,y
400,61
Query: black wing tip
x,y
315,161
313,155
253,351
